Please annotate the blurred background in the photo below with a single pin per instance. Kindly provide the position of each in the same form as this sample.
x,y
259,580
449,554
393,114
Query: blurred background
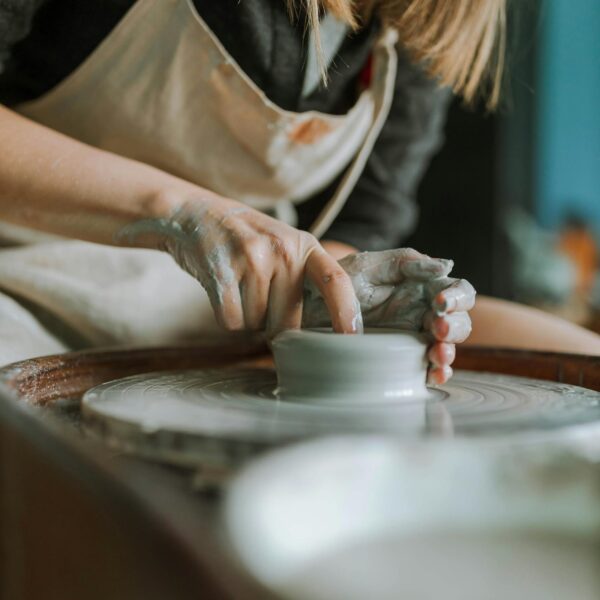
x,y
514,197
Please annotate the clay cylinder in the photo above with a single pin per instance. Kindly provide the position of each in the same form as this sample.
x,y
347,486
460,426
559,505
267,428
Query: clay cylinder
x,y
381,365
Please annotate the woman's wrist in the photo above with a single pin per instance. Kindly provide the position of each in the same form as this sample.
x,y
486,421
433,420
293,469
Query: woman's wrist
x,y
163,213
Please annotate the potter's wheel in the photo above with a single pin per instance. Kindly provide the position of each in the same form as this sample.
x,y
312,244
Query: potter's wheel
x,y
228,414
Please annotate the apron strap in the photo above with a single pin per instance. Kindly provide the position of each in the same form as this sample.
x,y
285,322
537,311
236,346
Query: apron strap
x,y
384,102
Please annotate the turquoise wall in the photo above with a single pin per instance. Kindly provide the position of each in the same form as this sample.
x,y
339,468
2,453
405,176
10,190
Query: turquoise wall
x,y
567,161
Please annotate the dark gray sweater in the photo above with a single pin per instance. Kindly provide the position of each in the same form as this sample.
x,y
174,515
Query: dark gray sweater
x,y
42,41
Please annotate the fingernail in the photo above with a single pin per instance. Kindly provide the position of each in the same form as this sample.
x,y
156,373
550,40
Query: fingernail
x,y
447,373
440,328
442,354
442,304
440,375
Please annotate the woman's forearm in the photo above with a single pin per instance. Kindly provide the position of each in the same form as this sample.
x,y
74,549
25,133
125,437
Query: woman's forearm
x,y
506,324
56,184
252,266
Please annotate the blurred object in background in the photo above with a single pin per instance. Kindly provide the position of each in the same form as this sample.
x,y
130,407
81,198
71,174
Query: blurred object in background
x,y
554,271
595,304
576,241
579,244
542,276
529,165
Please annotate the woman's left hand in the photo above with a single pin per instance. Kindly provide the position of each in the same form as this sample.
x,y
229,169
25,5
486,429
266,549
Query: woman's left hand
x,y
407,290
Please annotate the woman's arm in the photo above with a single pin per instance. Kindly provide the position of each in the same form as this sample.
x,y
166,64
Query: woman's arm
x,y
252,266
509,325
54,183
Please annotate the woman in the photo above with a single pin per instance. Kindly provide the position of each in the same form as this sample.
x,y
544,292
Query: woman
x,y
176,125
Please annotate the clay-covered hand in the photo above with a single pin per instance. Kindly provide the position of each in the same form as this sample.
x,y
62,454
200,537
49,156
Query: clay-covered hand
x,y
252,266
407,290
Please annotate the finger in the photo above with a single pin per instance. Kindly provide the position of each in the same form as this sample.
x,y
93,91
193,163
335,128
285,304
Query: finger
x,y
439,375
369,260
393,266
314,312
425,269
227,306
453,328
442,354
399,254
375,295
336,288
254,291
458,297
405,309
285,302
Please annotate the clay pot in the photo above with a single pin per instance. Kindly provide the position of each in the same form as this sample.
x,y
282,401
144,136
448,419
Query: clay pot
x,y
382,364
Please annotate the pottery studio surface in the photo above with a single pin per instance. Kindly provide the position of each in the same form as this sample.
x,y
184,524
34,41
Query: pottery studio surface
x,y
327,384
486,487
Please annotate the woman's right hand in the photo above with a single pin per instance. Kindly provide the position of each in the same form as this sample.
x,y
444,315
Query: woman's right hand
x,y
252,266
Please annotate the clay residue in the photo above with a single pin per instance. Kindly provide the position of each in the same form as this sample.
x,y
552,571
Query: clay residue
x,y
394,288
309,132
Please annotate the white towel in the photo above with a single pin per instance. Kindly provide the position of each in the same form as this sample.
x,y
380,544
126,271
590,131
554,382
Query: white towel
x,y
69,294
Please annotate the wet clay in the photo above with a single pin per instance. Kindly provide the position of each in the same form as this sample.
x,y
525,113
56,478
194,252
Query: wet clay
x,y
395,288
182,234
381,364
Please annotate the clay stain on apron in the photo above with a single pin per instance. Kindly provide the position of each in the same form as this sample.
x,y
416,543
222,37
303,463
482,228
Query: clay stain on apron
x,y
309,132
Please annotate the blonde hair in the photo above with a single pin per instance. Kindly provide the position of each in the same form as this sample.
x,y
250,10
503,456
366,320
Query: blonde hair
x,y
461,42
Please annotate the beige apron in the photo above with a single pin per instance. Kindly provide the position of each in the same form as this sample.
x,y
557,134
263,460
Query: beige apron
x,y
162,89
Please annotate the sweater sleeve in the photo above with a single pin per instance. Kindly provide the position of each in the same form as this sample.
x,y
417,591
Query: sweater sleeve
x,y
381,209
15,24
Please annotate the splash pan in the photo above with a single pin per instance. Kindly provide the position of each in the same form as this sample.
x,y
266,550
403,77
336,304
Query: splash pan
x,y
359,517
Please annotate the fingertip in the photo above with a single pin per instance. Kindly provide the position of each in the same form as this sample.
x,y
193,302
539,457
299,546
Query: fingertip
x,y
442,303
348,324
445,265
228,317
440,328
457,297
357,324
449,263
231,322
424,269
337,291
441,354
439,375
